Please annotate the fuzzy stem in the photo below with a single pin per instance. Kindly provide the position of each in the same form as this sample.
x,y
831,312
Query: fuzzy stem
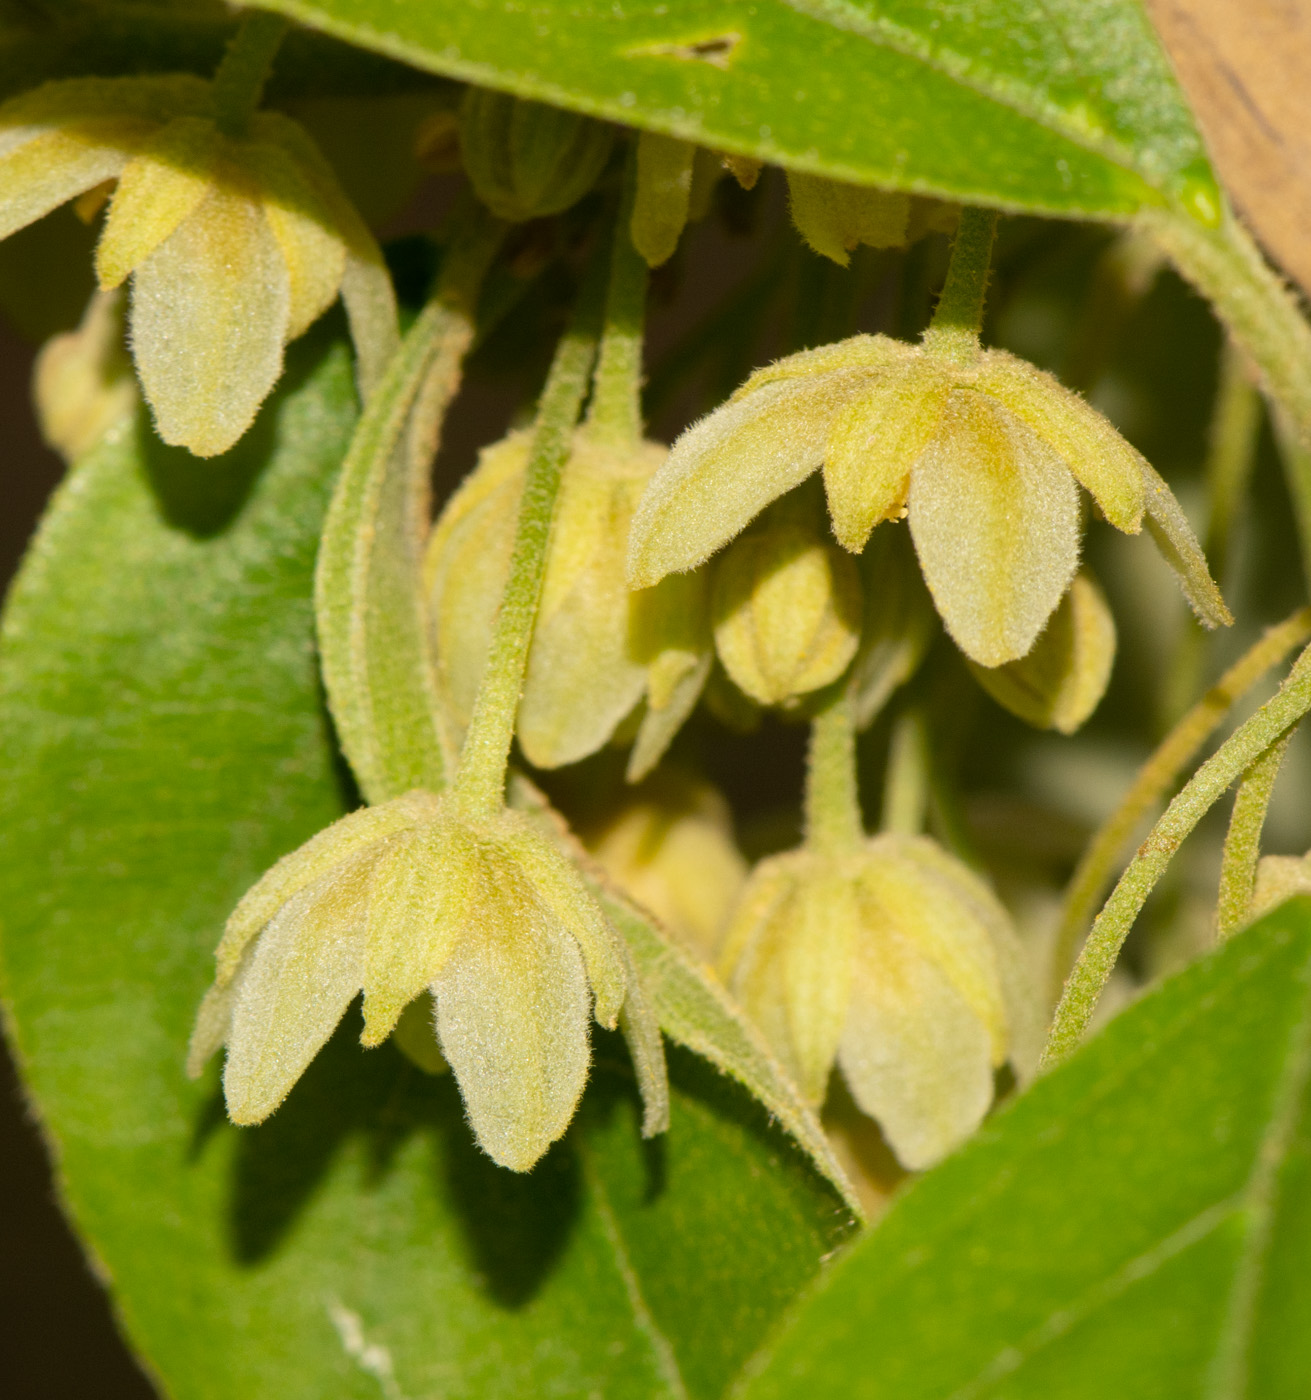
x,y
1239,752
615,415
372,628
954,332
1155,777
1242,848
1262,315
239,81
906,783
832,800
486,752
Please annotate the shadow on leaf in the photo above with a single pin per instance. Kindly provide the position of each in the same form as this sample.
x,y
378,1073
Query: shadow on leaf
x,y
204,495
515,1227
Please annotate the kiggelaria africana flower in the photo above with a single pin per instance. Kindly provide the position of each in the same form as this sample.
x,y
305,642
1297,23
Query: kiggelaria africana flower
x,y
414,895
899,964
235,244
983,454
598,649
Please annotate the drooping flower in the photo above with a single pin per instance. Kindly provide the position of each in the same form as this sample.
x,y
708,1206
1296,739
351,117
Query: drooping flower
x,y
671,847
414,895
982,451
598,649
897,963
235,244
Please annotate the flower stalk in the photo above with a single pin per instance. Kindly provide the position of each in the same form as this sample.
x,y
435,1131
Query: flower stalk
x,y
486,751
1236,756
832,800
1242,848
240,78
958,319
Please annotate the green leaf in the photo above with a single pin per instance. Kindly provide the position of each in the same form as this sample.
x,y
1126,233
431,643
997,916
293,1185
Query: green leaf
x,y
1138,1224
162,741
1067,107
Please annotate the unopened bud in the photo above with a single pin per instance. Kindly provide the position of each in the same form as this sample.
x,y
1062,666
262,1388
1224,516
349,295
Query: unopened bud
x,y
786,611
527,160
671,848
663,196
834,217
1062,679
83,382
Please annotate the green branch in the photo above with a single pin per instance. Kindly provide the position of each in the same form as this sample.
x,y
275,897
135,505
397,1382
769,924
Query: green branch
x,y
1242,849
832,799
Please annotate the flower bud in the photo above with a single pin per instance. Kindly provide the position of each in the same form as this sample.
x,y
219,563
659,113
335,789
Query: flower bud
x,y
898,964
834,217
786,610
83,381
525,159
671,848
1062,679
482,912
1279,878
597,647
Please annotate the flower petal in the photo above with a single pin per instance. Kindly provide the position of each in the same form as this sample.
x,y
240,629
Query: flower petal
x,y
1173,536
303,224
994,514
913,1053
331,847
728,467
466,565
417,910
159,188
864,352
366,287
557,884
582,678
1099,458
210,310
662,721
303,974
873,444
512,1012
912,886
56,166
1024,1025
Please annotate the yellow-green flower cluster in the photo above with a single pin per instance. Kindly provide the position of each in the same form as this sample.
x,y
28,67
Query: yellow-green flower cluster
x,y
235,244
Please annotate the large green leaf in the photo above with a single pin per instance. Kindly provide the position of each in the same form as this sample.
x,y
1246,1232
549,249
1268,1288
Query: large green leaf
x,y
162,741
1069,106
1137,1225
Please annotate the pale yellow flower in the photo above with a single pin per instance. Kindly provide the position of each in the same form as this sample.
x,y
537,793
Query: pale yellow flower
x,y
897,963
984,455
235,244
412,896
